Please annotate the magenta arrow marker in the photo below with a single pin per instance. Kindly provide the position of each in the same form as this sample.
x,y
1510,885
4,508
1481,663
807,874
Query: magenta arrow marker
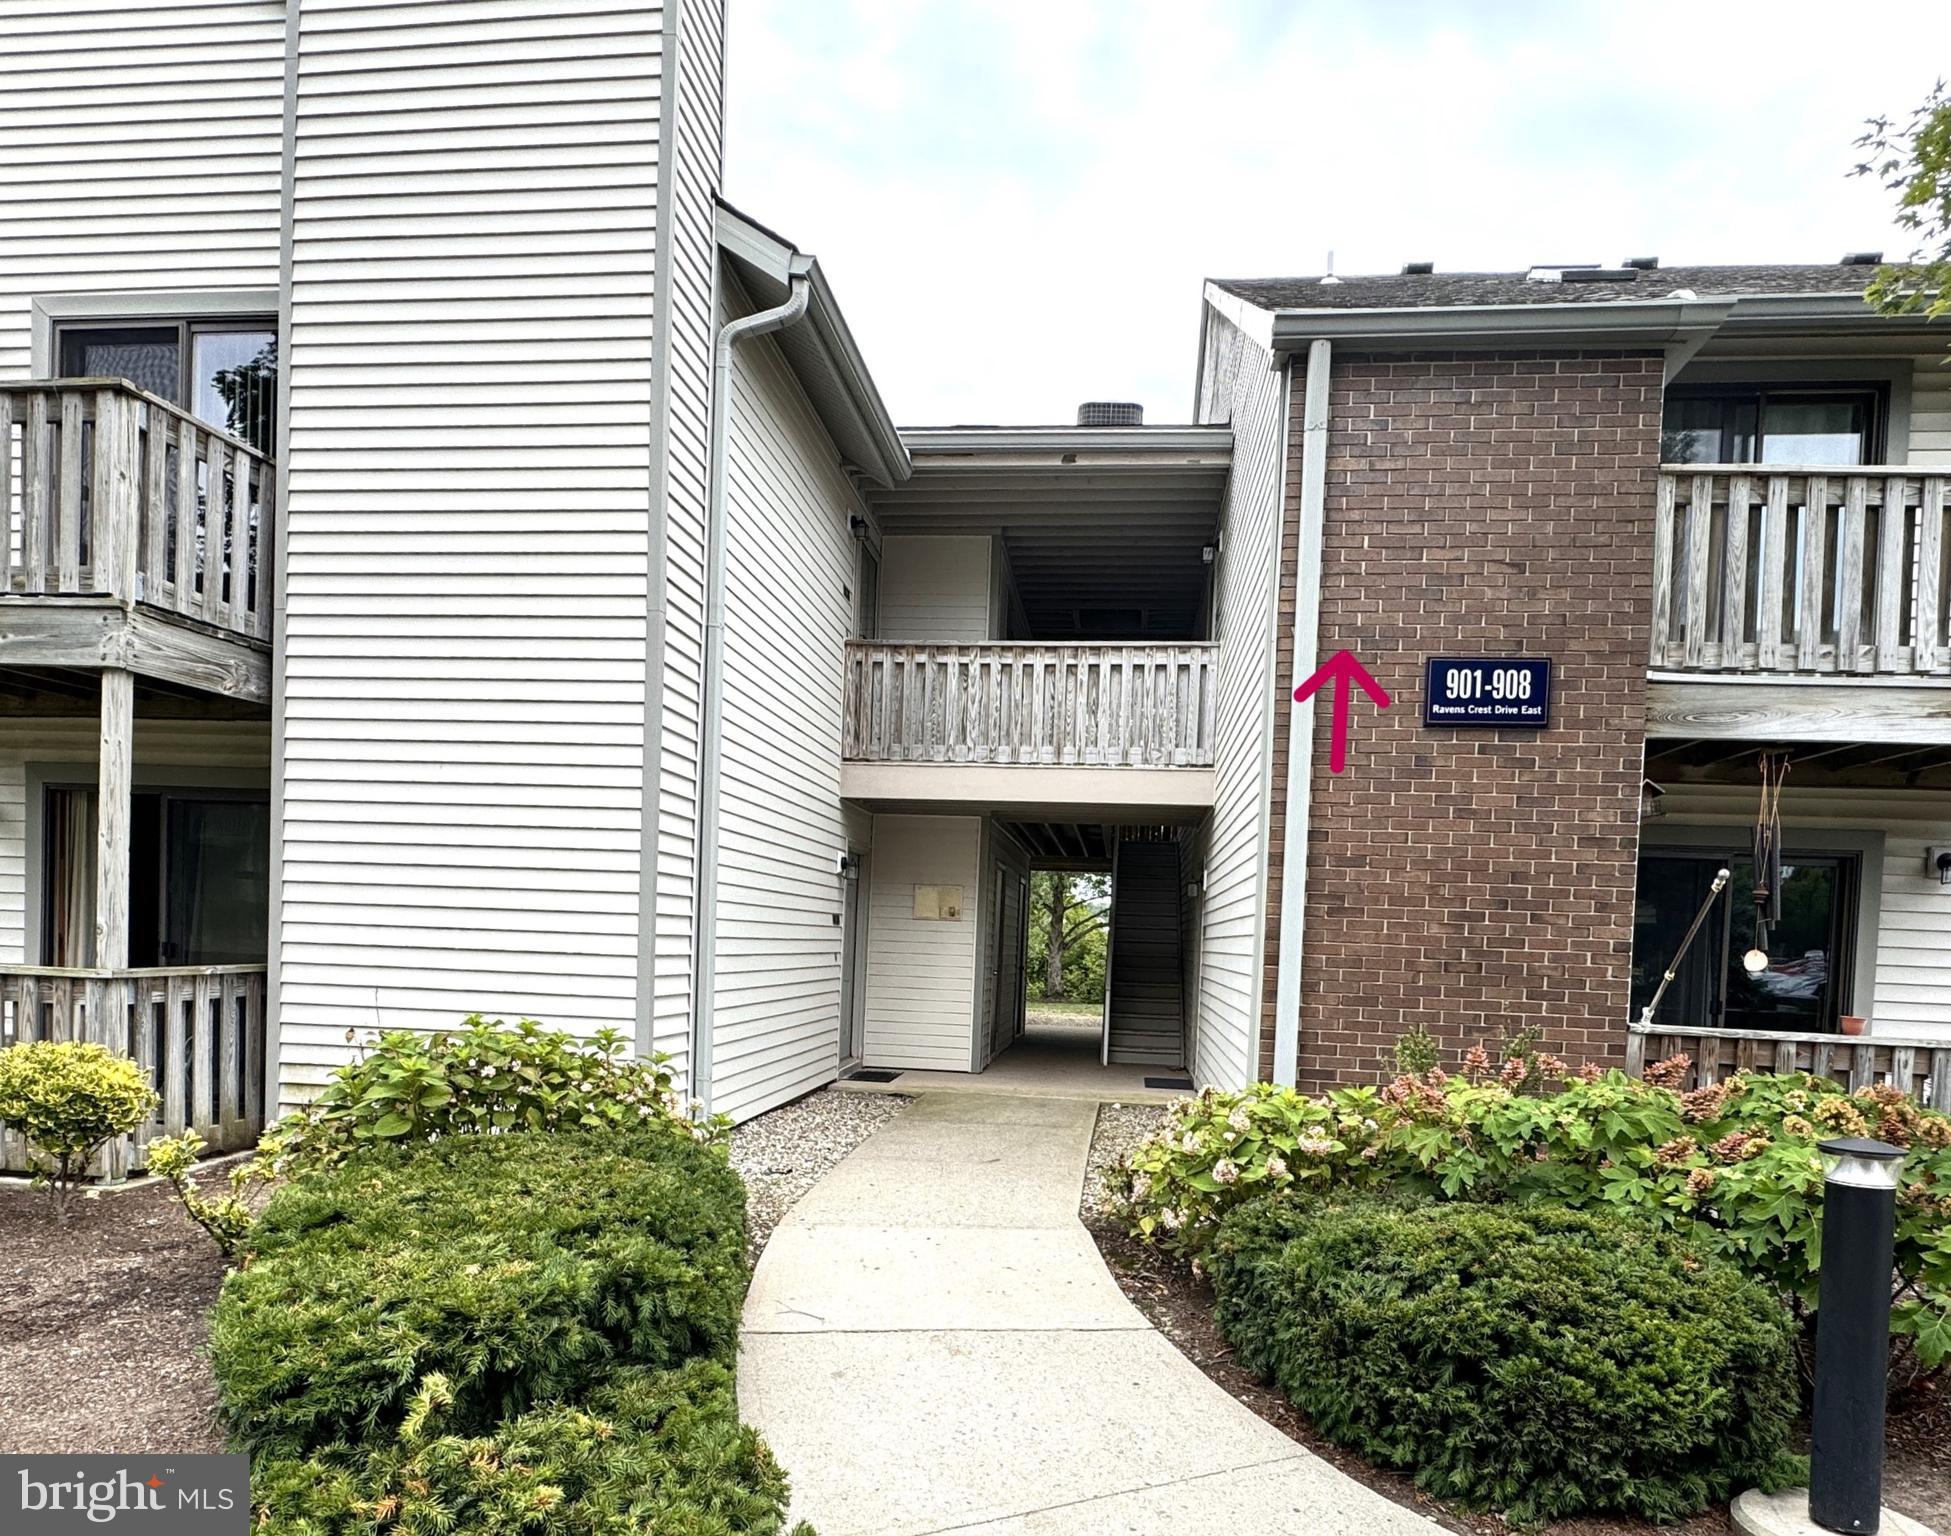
x,y
1343,670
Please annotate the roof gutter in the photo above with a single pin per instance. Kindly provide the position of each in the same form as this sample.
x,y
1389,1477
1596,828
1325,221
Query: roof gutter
x,y
980,440
711,742
1617,323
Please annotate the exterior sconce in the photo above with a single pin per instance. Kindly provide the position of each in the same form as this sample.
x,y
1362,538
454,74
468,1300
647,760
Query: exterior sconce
x,y
1937,861
1649,800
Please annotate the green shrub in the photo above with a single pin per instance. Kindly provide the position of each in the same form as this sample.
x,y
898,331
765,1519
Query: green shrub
x,y
650,1451
68,1099
521,1269
228,1217
483,1078
1733,1166
1531,1360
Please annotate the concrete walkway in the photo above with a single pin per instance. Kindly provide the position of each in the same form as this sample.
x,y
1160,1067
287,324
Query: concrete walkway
x,y
932,1344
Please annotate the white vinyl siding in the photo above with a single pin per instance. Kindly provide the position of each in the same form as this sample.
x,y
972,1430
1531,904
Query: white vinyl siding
x,y
473,223
1246,390
921,972
1913,951
790,564
936,589
687,335
225,748
1930,409
140,146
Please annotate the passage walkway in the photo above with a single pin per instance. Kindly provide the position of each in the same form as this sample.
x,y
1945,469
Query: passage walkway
x,y
932,1344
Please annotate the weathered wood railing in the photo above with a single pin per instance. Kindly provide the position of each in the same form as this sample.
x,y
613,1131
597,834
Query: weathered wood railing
x,y
1765,569
198,1032
110,491
1918,1066
1103,705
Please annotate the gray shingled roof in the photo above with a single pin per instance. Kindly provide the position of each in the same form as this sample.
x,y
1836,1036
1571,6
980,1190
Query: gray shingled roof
x,y
1452,289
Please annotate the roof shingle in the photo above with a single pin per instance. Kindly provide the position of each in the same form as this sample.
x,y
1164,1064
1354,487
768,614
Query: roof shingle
x,y
1444,290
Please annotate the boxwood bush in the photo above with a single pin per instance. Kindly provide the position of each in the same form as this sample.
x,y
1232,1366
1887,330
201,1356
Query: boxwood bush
x,y
1536,1361
520,1269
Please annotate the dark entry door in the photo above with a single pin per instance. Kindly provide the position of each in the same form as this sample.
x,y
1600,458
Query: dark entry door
x,y
1807,978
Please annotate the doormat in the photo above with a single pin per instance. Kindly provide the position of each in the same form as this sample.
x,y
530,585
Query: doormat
x,y
877,1075
1169,1082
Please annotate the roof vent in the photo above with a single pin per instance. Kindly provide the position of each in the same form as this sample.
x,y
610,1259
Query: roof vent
x,y
1599,275
1110,413
1863,259
1418,268
1642,263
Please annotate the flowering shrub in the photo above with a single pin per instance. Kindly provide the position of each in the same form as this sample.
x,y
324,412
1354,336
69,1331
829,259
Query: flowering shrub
x,y
1527,1359
1733,1165
483,1078
68,1098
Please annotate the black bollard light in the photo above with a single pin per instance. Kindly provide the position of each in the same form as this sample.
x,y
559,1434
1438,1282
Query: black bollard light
x,y
1859,1220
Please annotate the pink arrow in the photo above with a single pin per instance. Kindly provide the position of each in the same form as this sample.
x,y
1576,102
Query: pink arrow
x,y
1343,669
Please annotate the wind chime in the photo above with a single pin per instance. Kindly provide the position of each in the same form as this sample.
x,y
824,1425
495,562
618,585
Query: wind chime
x,y
1767,858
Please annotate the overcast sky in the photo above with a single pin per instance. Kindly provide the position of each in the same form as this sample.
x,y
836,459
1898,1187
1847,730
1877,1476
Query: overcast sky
x,y
1016,202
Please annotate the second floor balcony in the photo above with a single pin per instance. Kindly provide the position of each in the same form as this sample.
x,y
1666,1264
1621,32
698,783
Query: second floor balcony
x,y
1142,705
1839,571
135,536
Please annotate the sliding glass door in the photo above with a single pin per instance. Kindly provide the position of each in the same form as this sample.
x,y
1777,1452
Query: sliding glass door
x,y
199,878
1805,984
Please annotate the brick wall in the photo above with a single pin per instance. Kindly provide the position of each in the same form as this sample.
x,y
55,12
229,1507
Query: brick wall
x,y
1475,881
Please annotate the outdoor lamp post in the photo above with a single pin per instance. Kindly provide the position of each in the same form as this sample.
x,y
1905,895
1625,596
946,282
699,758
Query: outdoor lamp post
x,y
1859,1218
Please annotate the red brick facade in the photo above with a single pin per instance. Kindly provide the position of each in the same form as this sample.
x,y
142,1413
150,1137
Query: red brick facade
x,y
1475,881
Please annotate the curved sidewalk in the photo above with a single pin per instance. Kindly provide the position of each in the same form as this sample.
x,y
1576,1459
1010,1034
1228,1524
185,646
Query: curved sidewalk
x,y
932,1344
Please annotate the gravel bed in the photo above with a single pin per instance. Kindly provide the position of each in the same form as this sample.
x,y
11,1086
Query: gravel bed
x,y
784,1152
1121,1128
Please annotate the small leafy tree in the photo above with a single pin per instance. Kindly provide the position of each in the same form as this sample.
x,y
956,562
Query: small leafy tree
x,y
228,1218
69,1098
1913,160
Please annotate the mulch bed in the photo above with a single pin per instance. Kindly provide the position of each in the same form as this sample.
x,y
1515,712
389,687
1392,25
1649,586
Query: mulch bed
x,y
102,1325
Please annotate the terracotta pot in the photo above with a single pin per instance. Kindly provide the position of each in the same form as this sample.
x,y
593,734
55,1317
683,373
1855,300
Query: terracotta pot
x,y
1854,1024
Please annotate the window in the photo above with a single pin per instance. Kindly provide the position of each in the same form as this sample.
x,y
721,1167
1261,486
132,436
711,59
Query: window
x,y
1768,424
867,594
224,371
1810,951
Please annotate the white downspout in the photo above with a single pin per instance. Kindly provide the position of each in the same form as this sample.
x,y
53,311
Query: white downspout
x,y
1300,719
711,736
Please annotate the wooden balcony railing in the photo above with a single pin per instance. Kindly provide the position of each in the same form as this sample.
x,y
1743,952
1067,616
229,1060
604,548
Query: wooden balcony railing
x,y
110,491
1765,569
197,1031
1921,1067
1147,706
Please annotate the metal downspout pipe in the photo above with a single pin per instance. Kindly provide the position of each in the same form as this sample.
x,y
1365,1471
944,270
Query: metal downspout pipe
x,y
1300,718
711,735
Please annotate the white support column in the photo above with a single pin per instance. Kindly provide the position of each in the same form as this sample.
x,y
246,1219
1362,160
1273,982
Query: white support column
x,y
112,794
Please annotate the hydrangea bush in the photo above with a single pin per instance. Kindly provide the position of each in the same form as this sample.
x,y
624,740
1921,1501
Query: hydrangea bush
x,y
483,1078
1734,1165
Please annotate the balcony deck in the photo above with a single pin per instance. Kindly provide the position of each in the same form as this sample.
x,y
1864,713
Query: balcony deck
x,y
136,537
197,1032
1130,724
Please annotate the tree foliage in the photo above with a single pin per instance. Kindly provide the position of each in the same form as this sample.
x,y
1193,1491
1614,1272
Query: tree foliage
x,y
1913,160
1070,917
